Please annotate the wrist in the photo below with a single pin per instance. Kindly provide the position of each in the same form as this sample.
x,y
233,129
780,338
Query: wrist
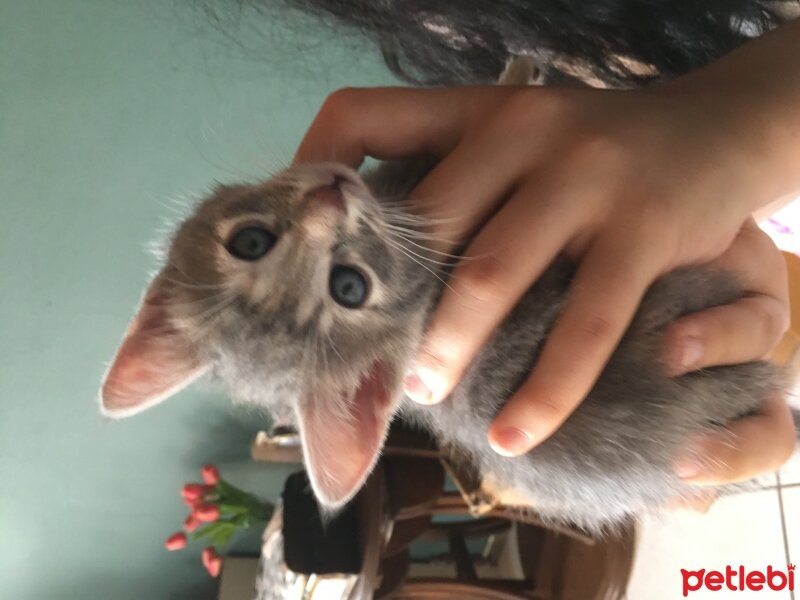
x,y
753,94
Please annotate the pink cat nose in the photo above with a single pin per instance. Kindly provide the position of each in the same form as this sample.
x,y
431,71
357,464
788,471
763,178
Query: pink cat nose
x,y
329,195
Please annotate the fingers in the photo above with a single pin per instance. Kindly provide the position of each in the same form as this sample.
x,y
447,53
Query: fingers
x,y
393,122
742,331
603,298
497,269
744,449
456,188
484,169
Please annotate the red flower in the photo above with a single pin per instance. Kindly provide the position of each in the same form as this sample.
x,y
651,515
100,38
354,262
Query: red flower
x,y
191,523
192,503
177,541
192,491
207,553
211,561
210,474
207,513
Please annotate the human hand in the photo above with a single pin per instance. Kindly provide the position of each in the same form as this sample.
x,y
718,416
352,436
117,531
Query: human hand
x,y
630,184
745,330
743,449
742,331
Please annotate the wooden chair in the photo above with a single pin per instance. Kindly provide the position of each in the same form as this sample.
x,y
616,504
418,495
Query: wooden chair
x,y
557,563
405,494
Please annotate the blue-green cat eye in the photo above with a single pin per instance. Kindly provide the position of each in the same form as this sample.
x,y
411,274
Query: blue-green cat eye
x,y
251,243
348,286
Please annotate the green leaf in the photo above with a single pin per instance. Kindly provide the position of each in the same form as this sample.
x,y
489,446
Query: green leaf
x,y
233,509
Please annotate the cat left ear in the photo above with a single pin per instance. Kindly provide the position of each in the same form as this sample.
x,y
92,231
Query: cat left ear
x,y
154,361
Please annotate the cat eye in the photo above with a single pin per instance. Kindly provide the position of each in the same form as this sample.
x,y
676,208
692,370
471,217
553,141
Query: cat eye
x,y
250,243
348,286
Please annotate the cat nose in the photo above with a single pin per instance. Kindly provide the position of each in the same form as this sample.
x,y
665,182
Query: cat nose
x,y
329,195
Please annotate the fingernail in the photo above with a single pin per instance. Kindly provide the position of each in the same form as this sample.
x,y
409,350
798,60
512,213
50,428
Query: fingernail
x,y
416,389
694,459
691,354
511,441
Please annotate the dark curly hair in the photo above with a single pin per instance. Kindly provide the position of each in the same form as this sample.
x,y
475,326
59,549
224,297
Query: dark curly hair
x,y
612,42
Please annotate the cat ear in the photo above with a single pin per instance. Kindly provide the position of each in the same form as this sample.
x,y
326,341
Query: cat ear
x,y
154,361
342,438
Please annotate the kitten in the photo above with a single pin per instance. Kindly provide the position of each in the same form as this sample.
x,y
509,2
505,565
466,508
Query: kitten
x,y
308,296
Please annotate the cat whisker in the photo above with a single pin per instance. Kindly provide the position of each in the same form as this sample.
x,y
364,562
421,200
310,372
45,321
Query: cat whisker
x,y
207,317
431,271
455,257
228,168
203,320
400,238
333,346
185,274
201,303
194,286
412,233
422,229
408,251
178,207
410,210
309,354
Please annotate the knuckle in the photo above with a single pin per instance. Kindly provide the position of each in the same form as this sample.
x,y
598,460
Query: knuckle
x,y
769,256
652,241
534,411
777,272
481,279
596,328
596,147
774,317
536,105
551,413
753,232
783,321
437,357
552,398
441,358
340,102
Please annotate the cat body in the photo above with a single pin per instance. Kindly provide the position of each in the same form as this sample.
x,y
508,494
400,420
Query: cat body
x,y
308,296
613,457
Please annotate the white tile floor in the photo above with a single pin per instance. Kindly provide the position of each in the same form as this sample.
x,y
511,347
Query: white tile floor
x,y
791,507
790,474
742,530
754,529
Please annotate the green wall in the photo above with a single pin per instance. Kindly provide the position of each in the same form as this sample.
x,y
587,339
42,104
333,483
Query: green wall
x,y
110,110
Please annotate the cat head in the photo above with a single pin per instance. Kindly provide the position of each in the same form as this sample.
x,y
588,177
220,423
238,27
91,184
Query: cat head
x,y
297,294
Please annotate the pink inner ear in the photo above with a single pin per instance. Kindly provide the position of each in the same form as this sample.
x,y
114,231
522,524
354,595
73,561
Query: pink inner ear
x,y
340,452
153,362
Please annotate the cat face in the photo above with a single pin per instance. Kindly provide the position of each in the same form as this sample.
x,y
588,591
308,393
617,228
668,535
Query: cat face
x,y
298,295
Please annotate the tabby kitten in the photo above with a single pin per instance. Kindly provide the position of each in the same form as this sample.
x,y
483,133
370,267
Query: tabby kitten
x,y
308,295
